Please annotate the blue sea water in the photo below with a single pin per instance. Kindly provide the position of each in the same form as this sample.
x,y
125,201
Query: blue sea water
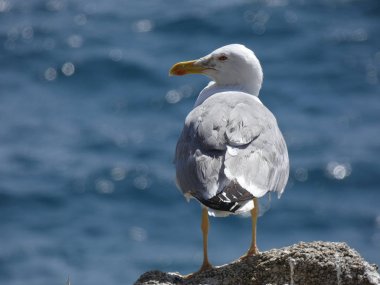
x,y
89,121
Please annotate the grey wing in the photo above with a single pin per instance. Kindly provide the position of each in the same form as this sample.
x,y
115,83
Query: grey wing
x,y
200,153
222,155
257,156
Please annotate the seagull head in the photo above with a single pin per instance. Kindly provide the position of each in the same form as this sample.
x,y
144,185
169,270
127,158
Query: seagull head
x,y
232,65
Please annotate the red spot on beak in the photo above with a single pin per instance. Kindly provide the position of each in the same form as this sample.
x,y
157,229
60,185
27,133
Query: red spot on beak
x,y
180,72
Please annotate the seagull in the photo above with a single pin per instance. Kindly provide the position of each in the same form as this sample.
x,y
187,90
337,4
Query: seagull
x,y
231,151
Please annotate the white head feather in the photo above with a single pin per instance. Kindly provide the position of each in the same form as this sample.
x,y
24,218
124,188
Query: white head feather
x,y
234,66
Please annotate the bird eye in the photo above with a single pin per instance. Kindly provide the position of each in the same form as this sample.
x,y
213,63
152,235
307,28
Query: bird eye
x,y
222,58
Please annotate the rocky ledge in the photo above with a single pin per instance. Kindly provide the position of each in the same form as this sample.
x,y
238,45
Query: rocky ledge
x,y
312,263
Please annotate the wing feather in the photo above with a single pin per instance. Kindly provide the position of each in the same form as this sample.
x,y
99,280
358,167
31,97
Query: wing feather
x,y
230,139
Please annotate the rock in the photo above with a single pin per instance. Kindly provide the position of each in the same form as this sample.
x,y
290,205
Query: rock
x,y
312,263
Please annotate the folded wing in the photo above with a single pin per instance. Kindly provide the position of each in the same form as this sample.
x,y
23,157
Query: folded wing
x,y
230,151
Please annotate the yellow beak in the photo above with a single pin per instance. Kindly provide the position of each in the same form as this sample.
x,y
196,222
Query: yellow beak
x,y
186,67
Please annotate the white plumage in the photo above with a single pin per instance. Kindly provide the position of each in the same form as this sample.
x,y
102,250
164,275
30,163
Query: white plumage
x,y
231,151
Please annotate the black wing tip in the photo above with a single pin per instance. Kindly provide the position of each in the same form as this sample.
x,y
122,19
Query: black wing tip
x,y
220,205
231,199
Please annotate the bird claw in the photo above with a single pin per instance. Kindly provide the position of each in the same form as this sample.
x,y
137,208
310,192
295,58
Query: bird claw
x,y
251,252
205,266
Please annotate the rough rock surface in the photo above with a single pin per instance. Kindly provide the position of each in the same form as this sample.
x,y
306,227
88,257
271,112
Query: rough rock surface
x,y
314,263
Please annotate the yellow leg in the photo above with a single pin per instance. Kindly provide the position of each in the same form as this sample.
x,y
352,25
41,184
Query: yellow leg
x,y
204,226
254,214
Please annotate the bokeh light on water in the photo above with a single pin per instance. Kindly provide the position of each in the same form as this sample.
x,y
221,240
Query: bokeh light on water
x,y
89,121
